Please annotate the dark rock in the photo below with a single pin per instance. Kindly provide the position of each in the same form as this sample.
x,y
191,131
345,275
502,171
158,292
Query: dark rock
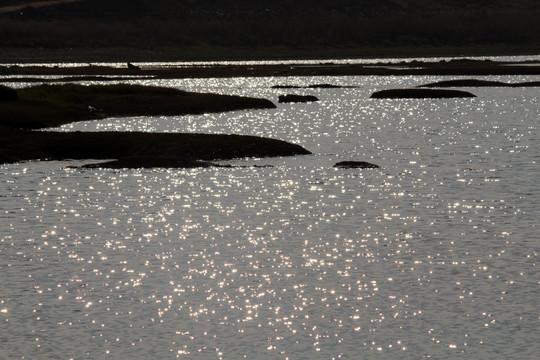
x,y
324,86
133,67
68,103
527,84
138,149
355,165
479,83
54,105
7,93
466,83
149,162
420,94
286,87
297,98
314,86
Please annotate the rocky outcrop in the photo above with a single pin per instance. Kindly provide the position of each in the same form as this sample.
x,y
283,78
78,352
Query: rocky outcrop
x,y
356,165
418,93
138,149
54,105
478,83
290,98
314,86
45,106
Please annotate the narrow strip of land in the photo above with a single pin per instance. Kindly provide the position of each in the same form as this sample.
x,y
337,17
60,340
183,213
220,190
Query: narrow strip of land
x,y
453,67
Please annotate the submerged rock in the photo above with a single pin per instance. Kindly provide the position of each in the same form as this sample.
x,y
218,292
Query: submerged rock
x,y
289,98
418,93
356,165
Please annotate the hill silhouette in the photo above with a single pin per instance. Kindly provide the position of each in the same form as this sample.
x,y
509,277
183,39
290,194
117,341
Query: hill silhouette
x,y
214,29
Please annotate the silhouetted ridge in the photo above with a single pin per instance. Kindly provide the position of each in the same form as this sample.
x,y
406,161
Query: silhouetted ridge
x,y
294,23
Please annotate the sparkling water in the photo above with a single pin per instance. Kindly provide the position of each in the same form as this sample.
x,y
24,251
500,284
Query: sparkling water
x,y
433,255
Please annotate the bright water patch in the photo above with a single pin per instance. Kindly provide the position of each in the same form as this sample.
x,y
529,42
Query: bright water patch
x,y
433,255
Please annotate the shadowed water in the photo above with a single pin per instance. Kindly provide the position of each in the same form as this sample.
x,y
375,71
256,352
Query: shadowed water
x,y
435,254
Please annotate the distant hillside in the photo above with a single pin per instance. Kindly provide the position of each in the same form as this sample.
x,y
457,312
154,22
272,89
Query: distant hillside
x,y
16,5
248,28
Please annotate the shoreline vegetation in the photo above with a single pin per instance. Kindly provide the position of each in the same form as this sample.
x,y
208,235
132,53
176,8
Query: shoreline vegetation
x,y
25,110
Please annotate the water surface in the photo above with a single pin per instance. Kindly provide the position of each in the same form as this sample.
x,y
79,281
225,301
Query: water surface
x,y
435,254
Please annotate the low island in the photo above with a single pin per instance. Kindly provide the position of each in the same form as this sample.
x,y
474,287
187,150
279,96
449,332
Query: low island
x,y
26,110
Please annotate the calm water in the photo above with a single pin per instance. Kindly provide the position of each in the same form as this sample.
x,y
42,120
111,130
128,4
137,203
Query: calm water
x,y
434,255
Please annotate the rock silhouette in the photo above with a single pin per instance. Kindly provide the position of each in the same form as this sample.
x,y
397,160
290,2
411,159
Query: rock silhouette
x,y
52,105
419,93
290,98
479,83
356,165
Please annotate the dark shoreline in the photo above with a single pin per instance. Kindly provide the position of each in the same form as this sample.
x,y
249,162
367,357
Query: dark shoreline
x,y
461,66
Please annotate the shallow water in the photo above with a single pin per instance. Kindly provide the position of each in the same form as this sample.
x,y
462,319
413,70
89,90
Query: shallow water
x,y
435,254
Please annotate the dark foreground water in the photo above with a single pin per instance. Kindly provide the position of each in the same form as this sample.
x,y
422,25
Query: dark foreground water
x,y
434,255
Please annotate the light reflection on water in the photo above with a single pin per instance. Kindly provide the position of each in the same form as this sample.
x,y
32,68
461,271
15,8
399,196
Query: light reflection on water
x,y
433,255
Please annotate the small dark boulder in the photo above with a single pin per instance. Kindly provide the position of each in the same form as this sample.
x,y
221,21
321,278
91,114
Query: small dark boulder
x,y
420,94
356,165
7,93
289,98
